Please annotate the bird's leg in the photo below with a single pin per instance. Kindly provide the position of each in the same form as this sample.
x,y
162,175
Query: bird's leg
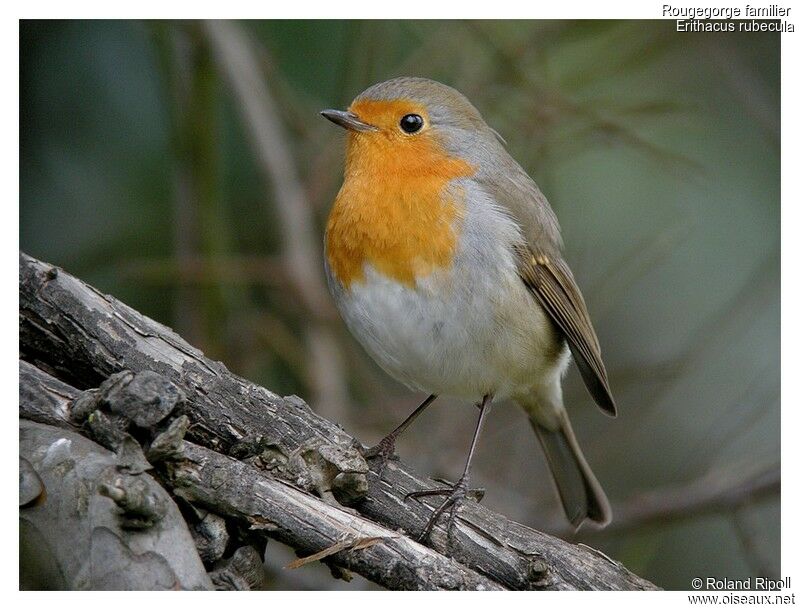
x,y
456,493
384,450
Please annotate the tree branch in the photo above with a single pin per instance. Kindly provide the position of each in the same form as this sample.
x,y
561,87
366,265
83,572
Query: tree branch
x,y
271,507
72,537
82,336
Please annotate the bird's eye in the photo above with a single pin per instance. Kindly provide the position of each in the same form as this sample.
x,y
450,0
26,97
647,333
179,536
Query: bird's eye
x,y
411,123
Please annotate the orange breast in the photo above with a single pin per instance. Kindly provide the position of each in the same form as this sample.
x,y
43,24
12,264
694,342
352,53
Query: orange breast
x,y
396,209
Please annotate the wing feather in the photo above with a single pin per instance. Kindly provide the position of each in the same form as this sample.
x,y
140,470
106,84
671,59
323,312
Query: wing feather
x,y
552,283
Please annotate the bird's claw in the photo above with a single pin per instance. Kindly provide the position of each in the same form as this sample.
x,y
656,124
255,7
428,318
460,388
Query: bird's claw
x,y
456,494
473,493
382,452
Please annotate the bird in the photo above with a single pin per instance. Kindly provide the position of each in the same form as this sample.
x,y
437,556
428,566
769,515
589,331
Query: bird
x,y
445,261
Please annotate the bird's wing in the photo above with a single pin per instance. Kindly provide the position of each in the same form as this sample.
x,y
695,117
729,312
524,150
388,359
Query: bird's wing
x,y
550,280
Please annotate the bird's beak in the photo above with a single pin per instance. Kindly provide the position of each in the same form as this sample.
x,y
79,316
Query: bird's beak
x,y
348,120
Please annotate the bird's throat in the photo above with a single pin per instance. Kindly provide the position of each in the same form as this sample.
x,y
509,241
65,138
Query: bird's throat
x,y
399,209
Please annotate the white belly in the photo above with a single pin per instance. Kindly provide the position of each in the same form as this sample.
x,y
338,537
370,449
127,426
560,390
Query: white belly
x,y
467,331
461,332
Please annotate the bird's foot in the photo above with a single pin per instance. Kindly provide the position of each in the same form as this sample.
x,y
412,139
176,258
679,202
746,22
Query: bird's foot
x,y
455,496
382,453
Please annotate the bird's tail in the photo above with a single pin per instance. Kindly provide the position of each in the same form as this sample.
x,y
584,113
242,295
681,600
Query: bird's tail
x,y
580,492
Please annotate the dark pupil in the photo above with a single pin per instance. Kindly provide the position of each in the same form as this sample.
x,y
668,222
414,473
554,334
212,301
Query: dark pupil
x,y
411,123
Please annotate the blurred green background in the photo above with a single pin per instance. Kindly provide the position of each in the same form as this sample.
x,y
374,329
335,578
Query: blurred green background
x,y
156,167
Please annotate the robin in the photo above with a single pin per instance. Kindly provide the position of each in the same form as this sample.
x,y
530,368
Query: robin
x,y
444,259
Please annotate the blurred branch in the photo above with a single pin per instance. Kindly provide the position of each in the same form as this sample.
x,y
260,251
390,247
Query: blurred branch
x,y
739,416
238,61
276,335
746,84
193,270
734,315
175,66
553,98
710,494
638,260
752,545
81,336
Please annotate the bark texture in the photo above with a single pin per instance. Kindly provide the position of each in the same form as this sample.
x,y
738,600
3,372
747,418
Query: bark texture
x,y
74,535
266,464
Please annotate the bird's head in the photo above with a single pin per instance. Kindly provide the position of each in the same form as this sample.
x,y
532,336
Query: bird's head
x,y
410,125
